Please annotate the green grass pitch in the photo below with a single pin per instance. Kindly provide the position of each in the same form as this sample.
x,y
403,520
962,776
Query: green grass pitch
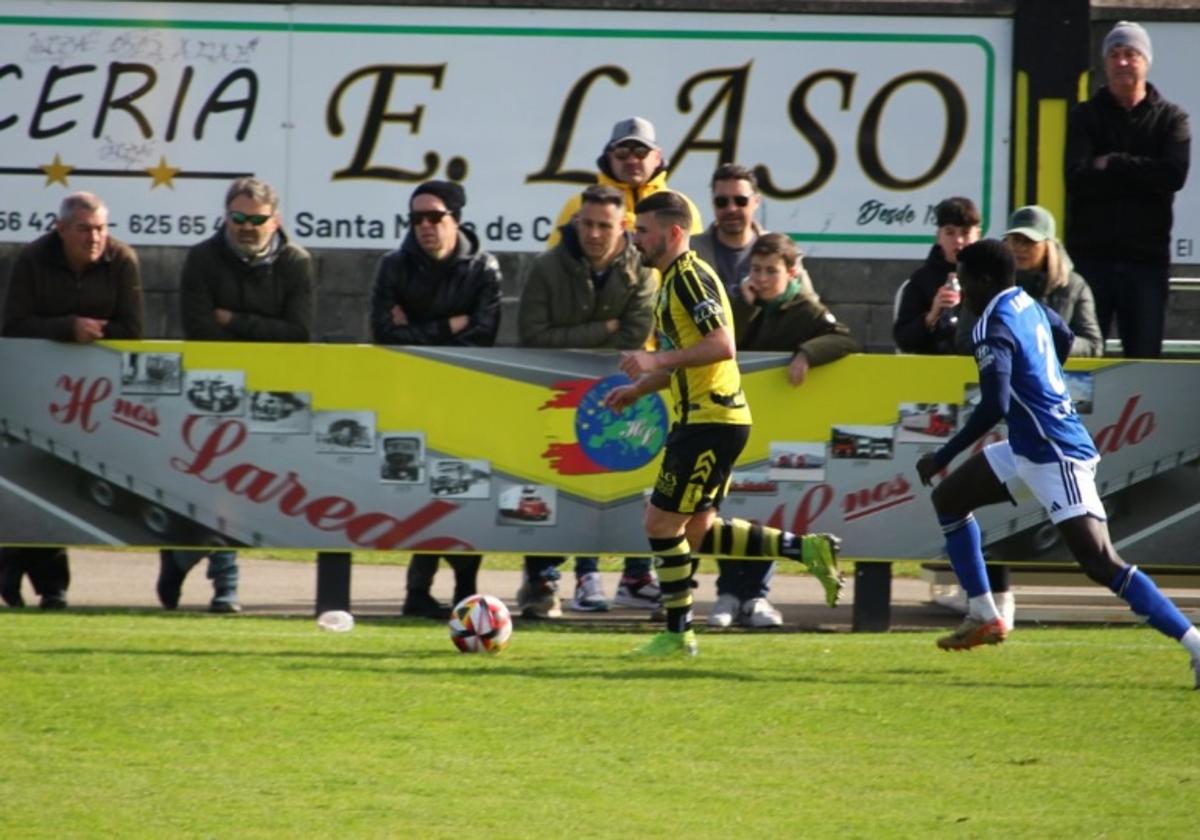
x,y
147,725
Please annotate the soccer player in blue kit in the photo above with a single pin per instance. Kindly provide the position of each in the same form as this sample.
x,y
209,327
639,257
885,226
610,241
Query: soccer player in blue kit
x,y
1019,348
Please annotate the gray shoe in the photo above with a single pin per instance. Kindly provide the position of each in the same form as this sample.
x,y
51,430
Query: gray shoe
x,y
538,599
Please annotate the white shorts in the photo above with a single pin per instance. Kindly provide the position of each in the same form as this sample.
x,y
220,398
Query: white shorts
x,y
1066,489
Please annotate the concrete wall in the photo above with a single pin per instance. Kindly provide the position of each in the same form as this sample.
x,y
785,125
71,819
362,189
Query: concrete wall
x,y
860,292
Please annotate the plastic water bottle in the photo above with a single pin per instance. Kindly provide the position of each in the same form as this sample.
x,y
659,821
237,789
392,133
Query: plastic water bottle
x,y
336,621
948,318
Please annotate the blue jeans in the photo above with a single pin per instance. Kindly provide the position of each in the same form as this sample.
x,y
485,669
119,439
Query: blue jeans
x,y
222,570
635,567
745,579
1137,294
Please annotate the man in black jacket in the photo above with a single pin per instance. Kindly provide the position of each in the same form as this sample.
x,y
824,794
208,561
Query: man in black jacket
x,y
438,287
247,282
1127,155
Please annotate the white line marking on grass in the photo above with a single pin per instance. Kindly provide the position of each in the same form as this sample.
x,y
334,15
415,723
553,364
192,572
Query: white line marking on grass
x,y
1157,526
55,510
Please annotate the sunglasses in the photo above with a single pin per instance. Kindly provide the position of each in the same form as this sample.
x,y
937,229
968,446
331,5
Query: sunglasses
x,y
624,152
722,201
434,217
257,219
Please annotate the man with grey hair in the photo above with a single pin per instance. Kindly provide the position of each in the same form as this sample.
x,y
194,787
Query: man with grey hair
x,y
247,282
1127,155
74,284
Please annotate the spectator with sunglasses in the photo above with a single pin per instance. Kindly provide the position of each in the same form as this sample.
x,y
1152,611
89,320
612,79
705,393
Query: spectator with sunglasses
x,y
743,585
632,162
726,244
438,288
247,282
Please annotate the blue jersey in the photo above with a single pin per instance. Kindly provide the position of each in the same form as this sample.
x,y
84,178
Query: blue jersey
x,y
1018,347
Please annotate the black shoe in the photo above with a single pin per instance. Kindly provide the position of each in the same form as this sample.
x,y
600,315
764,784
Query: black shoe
x,y
225,607
424,605
53,602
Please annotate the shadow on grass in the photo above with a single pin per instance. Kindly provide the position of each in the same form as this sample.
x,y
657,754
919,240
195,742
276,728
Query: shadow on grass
x,y
619,669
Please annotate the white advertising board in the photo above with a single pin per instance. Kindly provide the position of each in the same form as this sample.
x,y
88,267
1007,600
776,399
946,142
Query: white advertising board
x,y
856,126
1174,73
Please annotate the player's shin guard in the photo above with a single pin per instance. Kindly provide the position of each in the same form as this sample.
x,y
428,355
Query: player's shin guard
x,y
739,538
673,557
1142,594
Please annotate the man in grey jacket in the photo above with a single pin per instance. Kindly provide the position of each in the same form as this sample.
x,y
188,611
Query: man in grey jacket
x,y
591,290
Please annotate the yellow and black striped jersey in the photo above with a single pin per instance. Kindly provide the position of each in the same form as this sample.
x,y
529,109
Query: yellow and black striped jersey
x,y
692,303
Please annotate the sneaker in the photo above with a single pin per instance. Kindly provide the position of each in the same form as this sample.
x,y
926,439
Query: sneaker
x,y
818,553
974,632
224,607
758,612
424,605
724,610
640,592
667,643
589,594
53,602
539,598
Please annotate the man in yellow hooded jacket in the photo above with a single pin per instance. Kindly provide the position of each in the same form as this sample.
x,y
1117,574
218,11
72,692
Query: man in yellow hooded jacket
x,y
632,162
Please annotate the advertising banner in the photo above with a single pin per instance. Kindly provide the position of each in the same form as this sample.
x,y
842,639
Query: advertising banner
x,y
856,126
339,446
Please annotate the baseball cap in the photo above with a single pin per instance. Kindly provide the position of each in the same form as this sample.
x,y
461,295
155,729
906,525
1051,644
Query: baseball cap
x,y
636,129
1033,222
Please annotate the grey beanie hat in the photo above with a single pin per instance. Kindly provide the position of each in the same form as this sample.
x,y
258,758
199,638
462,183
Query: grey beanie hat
x,y
1129,34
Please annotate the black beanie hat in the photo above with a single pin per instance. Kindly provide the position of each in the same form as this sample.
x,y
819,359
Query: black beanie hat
x,y
451,194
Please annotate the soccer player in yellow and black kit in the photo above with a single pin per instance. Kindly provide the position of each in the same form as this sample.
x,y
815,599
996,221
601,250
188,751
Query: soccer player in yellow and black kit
x,y
696,358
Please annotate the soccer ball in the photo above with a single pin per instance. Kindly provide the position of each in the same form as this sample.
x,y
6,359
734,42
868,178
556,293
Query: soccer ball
x,y
480,623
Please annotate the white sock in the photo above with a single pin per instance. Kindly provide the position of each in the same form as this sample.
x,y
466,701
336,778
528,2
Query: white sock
x,y
1191,641
983,607
1006,605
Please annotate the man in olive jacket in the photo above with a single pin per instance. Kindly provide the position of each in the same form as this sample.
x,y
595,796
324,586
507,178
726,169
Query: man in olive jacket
x,y
247,282
590,290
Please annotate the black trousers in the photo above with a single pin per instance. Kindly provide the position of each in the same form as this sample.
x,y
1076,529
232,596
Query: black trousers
x,y
423,567
47,569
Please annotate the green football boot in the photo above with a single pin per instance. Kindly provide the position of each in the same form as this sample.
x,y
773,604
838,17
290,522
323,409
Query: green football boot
x,y
666,644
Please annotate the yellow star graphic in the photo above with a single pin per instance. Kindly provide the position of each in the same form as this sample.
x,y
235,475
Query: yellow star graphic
x,y
163,174
56,171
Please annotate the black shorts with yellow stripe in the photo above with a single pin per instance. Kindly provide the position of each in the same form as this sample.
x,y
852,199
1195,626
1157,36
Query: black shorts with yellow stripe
x,y
697,466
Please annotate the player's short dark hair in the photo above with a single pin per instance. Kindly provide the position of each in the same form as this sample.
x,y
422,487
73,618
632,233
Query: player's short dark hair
x,y
600,194
668,207
957,211
989,258
776,245
734,172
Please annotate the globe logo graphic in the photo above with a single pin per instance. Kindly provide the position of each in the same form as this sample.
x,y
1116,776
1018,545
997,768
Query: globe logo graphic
x,y
624,441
